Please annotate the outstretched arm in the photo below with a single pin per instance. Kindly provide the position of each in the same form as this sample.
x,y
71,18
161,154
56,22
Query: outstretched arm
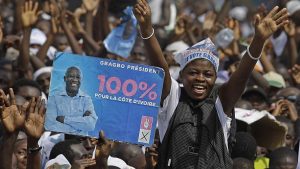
x,y
88,39
1,31
76,48
268,67
90,6
11,118
142,12
290,29
34,128
166,13
264,28
29,17
42,53
101,23
224,11
103,149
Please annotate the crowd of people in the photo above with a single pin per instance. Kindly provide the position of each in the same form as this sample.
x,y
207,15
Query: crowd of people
x,y
231,93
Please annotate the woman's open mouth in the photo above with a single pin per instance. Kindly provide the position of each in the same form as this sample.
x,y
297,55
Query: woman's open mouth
x,y
199,89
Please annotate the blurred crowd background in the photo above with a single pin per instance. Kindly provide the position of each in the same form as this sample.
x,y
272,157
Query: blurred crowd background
x,y
31,32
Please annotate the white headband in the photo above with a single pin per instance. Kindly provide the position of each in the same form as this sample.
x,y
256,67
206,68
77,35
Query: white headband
x,y
42,70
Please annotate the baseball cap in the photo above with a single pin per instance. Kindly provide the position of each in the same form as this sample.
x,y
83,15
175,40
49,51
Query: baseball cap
x,y
275,79
256,89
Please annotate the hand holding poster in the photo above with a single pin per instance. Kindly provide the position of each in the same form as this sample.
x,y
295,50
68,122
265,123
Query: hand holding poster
x,y
89,94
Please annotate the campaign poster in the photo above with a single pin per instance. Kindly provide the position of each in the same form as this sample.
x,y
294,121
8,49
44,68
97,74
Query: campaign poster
x,y
89,94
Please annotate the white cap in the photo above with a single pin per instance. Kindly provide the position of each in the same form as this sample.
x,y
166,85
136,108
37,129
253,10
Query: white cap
x,y
59,161
37,37
117,162
201,50
12,53
42,70
177,47
293,6
239,13
51,52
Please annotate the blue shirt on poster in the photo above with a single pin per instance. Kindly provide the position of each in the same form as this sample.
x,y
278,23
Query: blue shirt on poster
x,y
73,109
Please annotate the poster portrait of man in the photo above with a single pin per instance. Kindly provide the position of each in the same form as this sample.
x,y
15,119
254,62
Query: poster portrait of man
x,y
69,109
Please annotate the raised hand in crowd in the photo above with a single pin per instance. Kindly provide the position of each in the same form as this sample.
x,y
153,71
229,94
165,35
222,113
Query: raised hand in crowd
x,y
42,53
83,163
29,13
292,111
209,22
101,23
290,29
12,119
295,73
28,117
234,25
265,61
184,30
262,10
34,128
29,17
76,48
78,28
233,48
1,30
285,108
54,12
91,5
79,11
142,12
279,108
182,24
12,115
151,156
35,119
90,42
265,27
103,149
151,153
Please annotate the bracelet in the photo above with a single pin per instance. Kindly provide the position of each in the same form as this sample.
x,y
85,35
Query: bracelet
x,y
34,150
149,35
253,58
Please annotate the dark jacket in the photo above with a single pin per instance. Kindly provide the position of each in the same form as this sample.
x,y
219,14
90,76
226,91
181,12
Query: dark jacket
x,y
194,138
